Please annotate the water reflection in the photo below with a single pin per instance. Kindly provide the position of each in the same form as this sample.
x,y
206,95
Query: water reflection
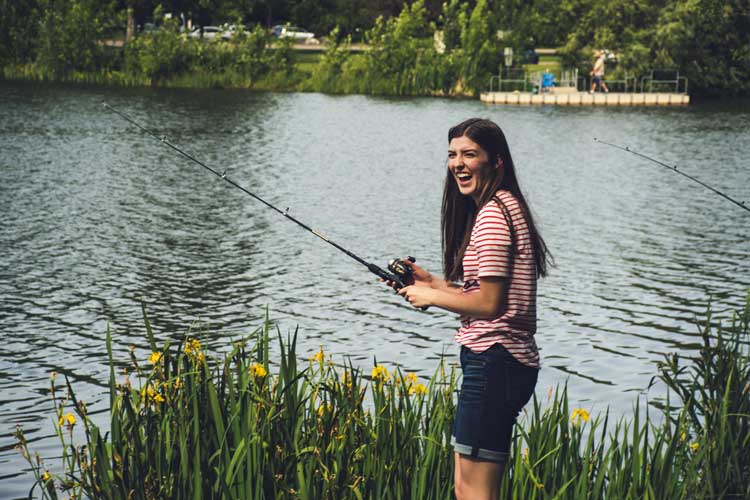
x,y
99,218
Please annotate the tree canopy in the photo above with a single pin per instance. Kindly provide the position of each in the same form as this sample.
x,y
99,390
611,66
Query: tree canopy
x,y
708,41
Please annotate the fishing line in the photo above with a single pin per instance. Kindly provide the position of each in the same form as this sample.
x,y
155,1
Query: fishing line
x,y
401,274
675,169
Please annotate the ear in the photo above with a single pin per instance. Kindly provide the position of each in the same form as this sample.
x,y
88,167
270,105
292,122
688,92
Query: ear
x,y
498,162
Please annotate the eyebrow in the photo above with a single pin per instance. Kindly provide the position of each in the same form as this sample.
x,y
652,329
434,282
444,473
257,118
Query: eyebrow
x,y
467,150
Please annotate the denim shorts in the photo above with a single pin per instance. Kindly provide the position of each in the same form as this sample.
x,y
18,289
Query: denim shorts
x,y
495,387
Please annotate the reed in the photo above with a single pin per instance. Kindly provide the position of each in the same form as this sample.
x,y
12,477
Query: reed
x,y
186,425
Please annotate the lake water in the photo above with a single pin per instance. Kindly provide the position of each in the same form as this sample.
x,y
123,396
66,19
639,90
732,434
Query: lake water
x,y
96,218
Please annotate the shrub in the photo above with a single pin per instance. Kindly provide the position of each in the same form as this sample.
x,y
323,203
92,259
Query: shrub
x,y
195,427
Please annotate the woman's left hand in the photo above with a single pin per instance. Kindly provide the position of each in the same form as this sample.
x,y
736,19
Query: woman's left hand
x,y
418,296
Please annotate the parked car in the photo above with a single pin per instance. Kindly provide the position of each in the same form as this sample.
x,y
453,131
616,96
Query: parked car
x,y
231,31
209,32
294,32
147,28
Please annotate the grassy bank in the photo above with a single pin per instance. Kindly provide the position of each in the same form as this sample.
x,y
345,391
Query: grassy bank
x,y
186,425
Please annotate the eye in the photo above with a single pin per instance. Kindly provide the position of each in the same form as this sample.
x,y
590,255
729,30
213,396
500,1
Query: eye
x,y
451,154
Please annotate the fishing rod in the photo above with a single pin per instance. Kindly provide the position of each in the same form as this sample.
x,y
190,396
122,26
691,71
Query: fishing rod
x,y
400,273
674,169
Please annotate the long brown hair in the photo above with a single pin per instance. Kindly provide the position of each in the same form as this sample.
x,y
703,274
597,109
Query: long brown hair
x,y
459,211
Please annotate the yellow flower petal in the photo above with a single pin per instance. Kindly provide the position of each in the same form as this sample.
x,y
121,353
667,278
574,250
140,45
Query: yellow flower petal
x,y
258,370
68,419
379,372
579,414
418,389
318,356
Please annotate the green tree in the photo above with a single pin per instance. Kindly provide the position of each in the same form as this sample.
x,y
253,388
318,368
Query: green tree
x,y
625,28
453,20
157,55
542,23
399,50
709,41
69,35
482,50
327,76
18,31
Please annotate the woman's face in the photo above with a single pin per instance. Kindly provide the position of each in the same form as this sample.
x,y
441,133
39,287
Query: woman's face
x,y
469,164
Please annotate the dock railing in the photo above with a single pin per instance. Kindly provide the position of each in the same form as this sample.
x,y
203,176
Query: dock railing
x,y
656,81
509,79
660,79
626,84
569,78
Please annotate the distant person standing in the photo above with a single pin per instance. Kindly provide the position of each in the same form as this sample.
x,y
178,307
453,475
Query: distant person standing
x,y
598,73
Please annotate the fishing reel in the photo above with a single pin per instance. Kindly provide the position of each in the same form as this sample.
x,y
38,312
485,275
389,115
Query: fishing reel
x,y
402,271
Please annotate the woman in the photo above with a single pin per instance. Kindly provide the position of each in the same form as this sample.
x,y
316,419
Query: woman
x,y
491,244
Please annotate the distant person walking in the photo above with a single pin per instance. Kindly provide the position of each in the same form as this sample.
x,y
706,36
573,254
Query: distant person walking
x,y
598,73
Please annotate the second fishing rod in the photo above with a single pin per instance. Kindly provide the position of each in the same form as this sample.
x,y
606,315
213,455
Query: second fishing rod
x,y
399,273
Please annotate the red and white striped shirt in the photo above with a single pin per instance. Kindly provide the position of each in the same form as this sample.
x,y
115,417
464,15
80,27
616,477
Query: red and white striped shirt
x,y
493,253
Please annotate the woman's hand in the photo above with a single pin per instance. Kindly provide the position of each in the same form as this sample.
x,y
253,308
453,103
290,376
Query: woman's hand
x,y
420,275
419,296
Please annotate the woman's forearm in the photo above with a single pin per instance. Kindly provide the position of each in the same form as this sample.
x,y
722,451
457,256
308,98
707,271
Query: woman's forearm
x,y
476,305
487,302
438,283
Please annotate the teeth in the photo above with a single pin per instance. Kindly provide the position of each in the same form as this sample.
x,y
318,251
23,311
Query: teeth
x,y
463,176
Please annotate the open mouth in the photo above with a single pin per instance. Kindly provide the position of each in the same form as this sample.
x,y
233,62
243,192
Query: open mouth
x,y
463,177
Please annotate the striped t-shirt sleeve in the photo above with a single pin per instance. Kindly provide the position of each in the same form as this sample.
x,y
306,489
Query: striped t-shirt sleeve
x,y
491,240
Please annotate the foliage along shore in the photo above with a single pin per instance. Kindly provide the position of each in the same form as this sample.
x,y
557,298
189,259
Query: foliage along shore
x,y
705,40
183,425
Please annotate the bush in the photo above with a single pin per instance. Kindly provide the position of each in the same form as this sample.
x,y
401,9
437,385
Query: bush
x,y
69,35
196,427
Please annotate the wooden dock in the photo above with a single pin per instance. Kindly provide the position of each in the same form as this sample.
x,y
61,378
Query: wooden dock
x,y
586,99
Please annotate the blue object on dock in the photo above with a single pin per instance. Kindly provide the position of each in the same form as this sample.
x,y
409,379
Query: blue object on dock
x,y
548,80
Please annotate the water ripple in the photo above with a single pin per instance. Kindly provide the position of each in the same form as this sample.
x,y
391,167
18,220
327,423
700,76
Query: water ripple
x,y
99,218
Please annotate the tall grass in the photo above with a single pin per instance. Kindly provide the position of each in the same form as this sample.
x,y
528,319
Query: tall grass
x,y
192,428
246,426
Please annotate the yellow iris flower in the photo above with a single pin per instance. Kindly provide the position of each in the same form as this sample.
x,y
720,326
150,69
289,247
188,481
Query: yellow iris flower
x,y
579,414
318,356
258,370
323,409
418,389
68,419
379,372
151,394
193,349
